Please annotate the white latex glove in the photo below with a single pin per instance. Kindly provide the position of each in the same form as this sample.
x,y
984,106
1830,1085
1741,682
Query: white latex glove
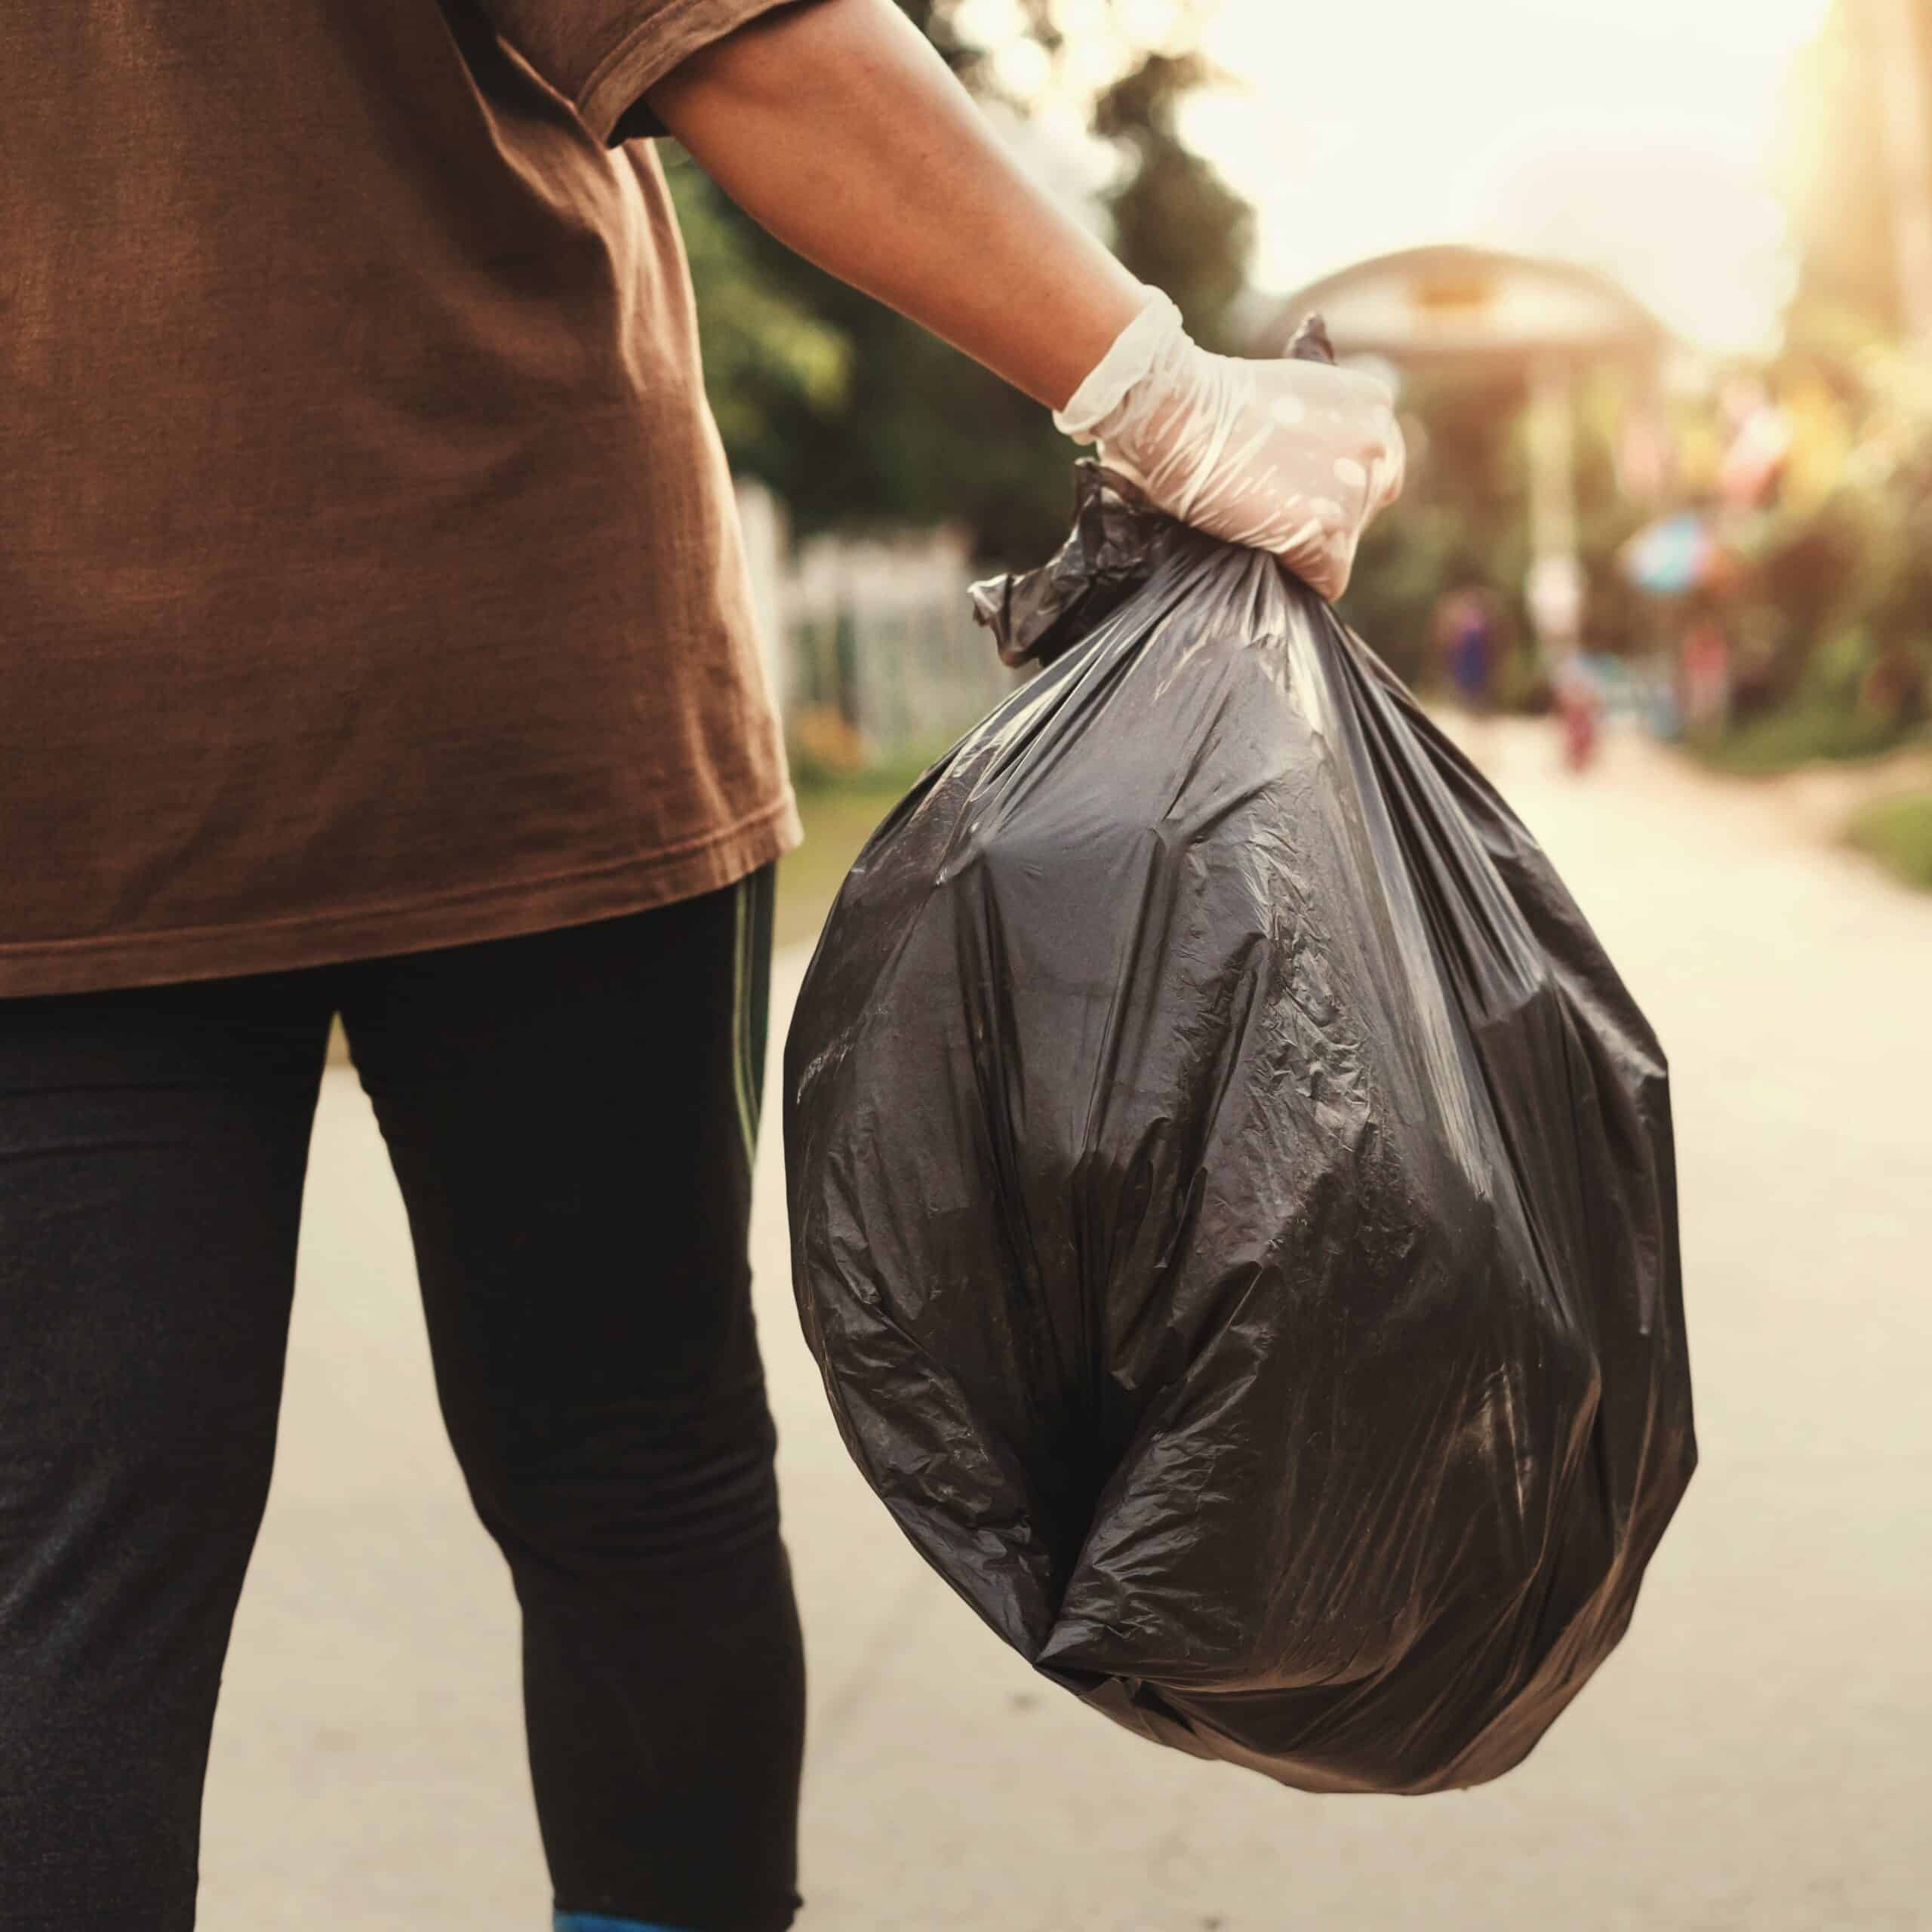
x,y
1292,456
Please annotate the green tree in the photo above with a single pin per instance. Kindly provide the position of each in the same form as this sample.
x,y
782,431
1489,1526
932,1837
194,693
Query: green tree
x,y
768,357
1177,224
895,427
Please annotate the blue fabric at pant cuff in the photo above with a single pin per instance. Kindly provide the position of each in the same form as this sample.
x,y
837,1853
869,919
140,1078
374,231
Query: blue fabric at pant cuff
x,y
591,1921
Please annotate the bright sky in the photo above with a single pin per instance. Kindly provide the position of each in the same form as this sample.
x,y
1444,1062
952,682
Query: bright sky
x,y
1631,134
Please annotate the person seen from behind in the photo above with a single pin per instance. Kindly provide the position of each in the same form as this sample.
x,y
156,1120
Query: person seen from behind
x,y
378,643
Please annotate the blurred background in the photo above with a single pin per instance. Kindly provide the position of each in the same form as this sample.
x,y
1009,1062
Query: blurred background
x,y
1655,281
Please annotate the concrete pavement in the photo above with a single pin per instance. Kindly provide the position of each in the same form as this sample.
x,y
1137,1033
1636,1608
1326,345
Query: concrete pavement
x,y
1758,1756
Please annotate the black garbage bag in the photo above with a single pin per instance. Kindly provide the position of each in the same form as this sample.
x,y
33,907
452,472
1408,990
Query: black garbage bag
x,y
1232,1193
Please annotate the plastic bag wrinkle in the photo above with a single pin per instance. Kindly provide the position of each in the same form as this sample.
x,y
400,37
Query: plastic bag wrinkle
x,y
1232,1194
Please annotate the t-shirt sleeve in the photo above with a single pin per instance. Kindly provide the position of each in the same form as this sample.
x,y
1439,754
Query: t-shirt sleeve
x,y
602,55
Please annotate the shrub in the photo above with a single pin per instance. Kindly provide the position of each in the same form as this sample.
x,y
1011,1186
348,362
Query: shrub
x,y
1898,833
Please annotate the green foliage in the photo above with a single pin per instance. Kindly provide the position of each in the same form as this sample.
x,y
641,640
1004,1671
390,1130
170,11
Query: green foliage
x,y
1405,562
1802,732
1838,592
1837,601
839,816
856,416
1898,833
768,357
923,435
1176,223
1459,523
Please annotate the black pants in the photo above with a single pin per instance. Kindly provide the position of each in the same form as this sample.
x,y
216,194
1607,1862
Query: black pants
x,y
571,1116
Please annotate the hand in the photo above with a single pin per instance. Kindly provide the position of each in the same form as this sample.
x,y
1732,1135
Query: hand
x,y
1291,457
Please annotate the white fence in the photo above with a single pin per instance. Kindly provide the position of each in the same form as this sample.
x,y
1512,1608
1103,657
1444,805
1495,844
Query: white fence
x,y
879,634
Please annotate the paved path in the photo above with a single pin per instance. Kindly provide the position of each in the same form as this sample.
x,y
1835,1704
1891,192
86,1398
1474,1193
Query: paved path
x,y
1758,1755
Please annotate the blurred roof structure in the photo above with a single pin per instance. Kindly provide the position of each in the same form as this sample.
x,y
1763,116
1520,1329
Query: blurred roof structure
x,y
1454,304
1468,311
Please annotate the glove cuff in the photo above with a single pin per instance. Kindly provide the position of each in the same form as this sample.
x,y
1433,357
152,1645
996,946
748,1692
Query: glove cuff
x,y
1133,354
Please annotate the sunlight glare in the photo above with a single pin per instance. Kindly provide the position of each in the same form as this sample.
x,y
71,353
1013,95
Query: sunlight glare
x,y
1637,135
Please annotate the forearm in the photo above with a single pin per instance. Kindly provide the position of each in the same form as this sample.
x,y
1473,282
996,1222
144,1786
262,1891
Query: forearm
x,y
835,126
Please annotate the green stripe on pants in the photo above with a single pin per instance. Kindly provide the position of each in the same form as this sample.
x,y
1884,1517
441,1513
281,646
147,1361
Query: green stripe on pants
x,y
751,1000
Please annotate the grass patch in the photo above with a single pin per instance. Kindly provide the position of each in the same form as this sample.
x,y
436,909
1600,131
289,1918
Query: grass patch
x,y
1898,833
1798,734
839,815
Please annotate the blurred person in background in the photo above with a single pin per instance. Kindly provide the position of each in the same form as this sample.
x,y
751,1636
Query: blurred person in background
x,y
1704,672
378,642
1577,695
1466,643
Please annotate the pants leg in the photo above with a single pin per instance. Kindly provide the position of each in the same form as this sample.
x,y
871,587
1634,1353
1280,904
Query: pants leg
x,y
571,1116
152,1146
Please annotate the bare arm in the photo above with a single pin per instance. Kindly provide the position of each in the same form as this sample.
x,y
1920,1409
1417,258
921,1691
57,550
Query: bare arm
x,y
835,126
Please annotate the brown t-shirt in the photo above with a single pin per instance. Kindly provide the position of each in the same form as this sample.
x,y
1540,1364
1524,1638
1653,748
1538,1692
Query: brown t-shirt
x,y
369,574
